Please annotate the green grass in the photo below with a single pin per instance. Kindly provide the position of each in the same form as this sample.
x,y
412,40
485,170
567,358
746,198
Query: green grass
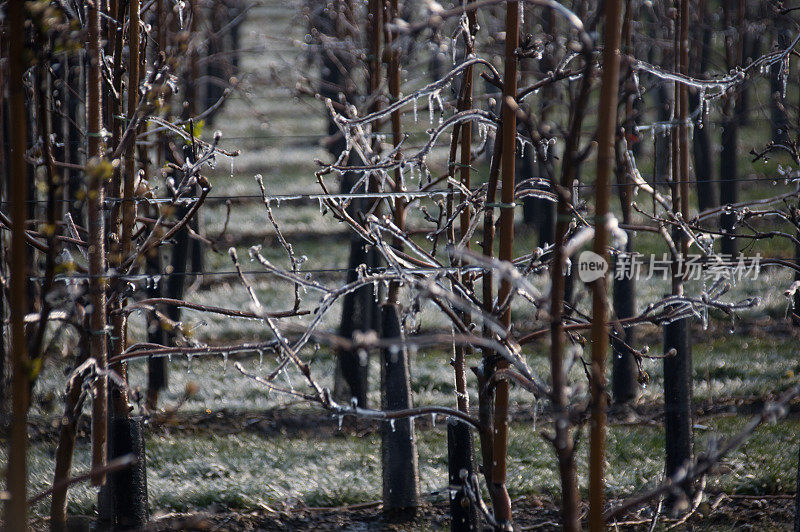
x,y
250,472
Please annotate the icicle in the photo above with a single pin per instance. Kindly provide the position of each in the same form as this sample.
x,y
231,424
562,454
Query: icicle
x,y
415,110
703,104
288,380
189,363
224,363
635,75
391,424
438,98
430,108
260,357
433,419
341,418
179,7
784,76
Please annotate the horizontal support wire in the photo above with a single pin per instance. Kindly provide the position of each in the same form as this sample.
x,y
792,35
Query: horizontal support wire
x,y
368,271
277,198
159,276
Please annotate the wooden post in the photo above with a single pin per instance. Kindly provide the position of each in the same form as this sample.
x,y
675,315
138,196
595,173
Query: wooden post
x,y
606,134
97,282
16,508
502,502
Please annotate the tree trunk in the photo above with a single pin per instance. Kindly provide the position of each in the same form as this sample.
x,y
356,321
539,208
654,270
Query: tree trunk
x,y
677,397
678,367
398,446
703,162
129,485
157,368
728,194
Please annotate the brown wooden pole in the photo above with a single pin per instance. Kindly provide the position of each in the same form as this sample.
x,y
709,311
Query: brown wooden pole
x,y
606,135
16,511
502,502
97,282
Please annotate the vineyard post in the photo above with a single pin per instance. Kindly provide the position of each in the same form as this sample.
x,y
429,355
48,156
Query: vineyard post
x,y
606,134
678,366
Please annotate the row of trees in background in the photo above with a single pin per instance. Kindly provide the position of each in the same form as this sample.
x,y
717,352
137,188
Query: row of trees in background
x,y
103,162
